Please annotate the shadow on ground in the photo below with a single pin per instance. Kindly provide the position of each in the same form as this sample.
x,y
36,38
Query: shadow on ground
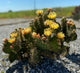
x,y
74,58
46,66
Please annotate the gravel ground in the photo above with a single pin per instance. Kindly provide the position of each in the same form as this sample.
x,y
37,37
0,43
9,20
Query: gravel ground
x,y
68,64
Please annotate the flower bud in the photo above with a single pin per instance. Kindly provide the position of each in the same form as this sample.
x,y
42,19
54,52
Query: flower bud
x,y
38,36
49,9
11,47
43,38
34,34
4,40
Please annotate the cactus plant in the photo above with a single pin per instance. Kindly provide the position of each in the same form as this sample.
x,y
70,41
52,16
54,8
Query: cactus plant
x,y
45,37
68,29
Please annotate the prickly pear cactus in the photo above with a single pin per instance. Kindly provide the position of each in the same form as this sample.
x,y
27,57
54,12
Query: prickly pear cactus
x,y
45,37
69,29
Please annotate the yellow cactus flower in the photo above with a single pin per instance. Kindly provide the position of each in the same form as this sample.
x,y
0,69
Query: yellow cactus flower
x,y
52,15
11,40
72,23
13,35
27,30
48,22
38,12
34,34
60,35
54,25
48,32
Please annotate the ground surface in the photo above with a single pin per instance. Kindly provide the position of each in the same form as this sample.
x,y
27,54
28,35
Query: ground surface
x,y
70,63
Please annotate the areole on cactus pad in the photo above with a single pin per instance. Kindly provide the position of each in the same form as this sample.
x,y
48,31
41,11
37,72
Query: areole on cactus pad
x,y
45,37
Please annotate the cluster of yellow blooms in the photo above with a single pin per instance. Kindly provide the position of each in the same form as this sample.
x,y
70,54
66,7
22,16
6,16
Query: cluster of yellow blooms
x,y
52,15
39,12
12,37
47,32
26,30
60,35
51,24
